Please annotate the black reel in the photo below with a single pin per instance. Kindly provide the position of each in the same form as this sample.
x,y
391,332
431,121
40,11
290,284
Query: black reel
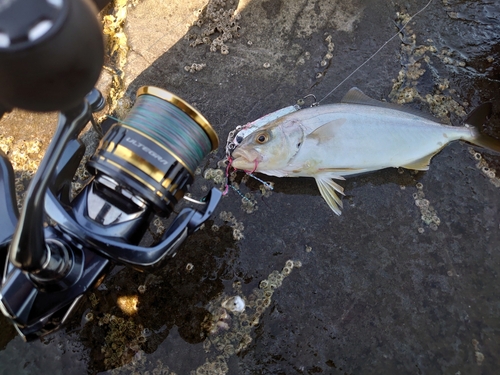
x,y
57,247
49,267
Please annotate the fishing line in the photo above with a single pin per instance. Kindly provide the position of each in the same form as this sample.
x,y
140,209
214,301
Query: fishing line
x,y
376,52
266,184
240,193
170,126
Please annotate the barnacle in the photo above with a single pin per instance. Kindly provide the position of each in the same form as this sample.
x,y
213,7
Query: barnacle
x,y
89,317
141,289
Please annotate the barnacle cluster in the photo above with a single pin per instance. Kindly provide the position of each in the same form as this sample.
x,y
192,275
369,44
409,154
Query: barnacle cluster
x,y
216,367
483,166
194,67
429,214
6,143
232,329
123,339
141,365
446,56
218,24
117,49
416,60
302,59
237,226
325,62
329,54
215,174
249,203
442,105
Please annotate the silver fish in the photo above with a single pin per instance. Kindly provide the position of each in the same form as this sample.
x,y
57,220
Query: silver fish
x,y
358,135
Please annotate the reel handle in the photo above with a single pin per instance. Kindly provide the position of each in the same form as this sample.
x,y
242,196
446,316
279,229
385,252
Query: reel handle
x,y
28,250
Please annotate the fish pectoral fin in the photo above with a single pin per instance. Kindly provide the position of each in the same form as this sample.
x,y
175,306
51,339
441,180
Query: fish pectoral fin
x,y
421,164
327,131
328,189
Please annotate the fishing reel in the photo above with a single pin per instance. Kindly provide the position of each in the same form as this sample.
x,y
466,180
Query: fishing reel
x,y
60,246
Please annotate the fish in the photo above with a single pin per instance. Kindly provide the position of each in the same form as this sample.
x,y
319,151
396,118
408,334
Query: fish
x,y
358,135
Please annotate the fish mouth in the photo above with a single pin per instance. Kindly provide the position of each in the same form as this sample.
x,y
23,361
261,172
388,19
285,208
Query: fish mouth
x,y
246,160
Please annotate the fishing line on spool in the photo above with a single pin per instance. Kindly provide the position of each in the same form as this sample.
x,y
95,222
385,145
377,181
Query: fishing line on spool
x,y
156,148
170,126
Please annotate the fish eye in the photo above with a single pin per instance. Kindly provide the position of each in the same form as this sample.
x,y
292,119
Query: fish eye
x,y
262,138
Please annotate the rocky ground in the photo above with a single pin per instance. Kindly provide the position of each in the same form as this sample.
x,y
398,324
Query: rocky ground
x,y
404,281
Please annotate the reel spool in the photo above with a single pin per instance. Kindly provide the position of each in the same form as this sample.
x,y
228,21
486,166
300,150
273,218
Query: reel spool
x,y
155,150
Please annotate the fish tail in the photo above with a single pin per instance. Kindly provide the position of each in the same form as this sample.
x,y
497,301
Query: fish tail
x,y
475,121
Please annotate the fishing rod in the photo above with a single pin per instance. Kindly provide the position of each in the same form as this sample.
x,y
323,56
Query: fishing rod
x,y
59,246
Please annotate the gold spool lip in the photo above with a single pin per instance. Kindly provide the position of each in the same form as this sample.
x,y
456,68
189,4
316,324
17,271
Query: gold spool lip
x,y
185,107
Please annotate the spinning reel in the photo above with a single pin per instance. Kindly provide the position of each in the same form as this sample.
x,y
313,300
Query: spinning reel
x,y
56,248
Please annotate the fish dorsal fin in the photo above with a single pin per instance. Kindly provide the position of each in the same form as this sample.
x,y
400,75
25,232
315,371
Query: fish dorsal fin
x,y
356,96
327,131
